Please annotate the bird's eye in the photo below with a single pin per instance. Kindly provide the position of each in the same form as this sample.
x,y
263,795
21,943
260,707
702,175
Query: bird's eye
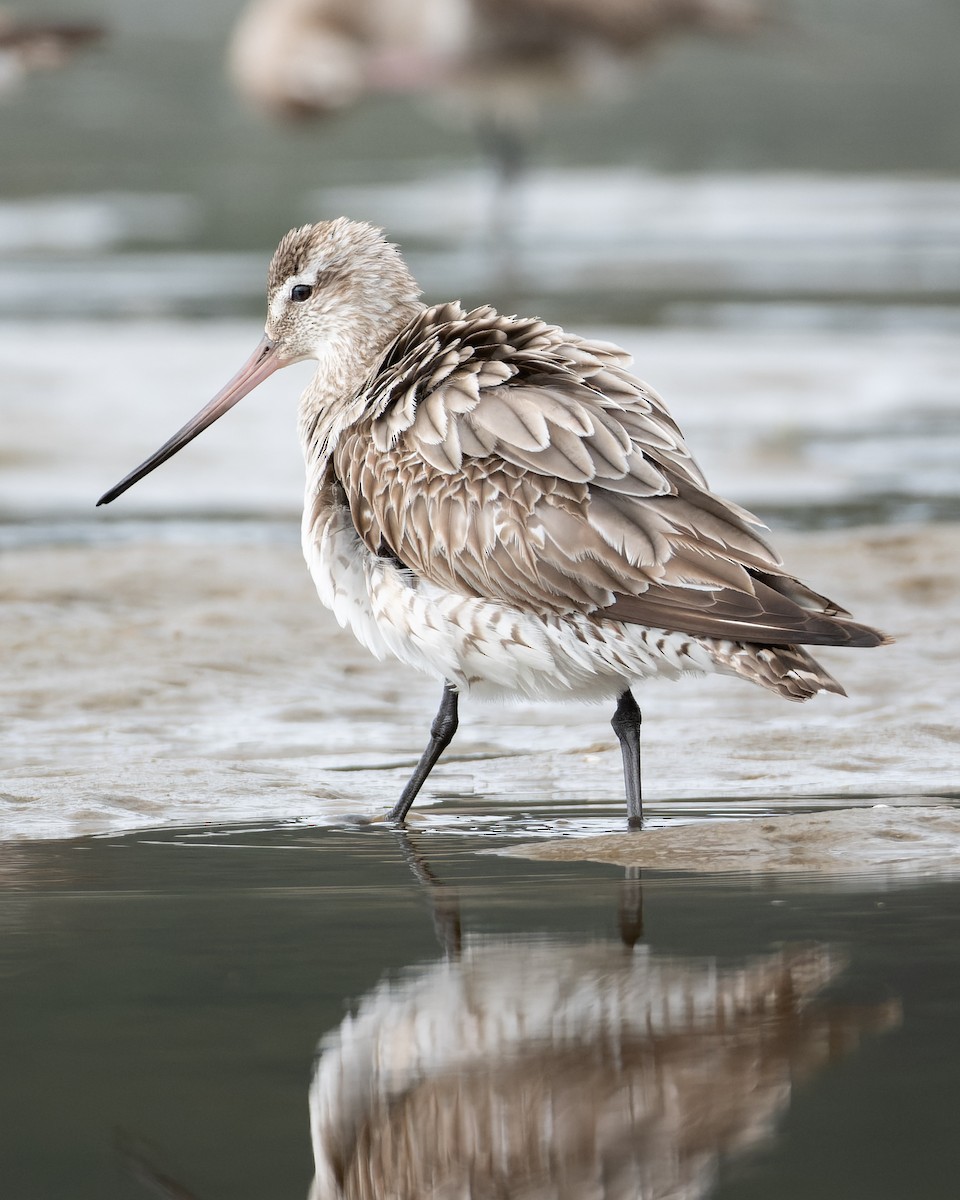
x,y
301,292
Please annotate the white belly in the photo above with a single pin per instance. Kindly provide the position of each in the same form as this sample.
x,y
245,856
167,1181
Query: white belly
x,y
482,646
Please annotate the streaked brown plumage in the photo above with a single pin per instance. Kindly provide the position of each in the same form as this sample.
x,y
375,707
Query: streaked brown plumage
x,y
507,507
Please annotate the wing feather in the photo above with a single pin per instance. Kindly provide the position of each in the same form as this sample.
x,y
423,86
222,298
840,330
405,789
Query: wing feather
x,y
476,443
433,420
512,416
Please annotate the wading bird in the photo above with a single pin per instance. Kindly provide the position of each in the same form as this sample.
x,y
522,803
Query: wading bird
x,y
505,506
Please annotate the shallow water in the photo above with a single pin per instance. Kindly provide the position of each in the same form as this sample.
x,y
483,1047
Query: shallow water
x,y
172,682
164,993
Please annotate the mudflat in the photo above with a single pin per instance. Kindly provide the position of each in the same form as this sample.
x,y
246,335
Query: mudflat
x,y
159,683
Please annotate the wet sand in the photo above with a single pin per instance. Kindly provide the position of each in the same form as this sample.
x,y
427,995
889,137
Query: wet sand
x,y
883,840
151,684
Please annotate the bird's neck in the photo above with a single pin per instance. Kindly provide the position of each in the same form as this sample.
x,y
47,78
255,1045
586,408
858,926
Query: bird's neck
x,y
336,396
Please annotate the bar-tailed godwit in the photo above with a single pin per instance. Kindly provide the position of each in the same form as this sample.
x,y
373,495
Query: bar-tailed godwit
x,y
507,507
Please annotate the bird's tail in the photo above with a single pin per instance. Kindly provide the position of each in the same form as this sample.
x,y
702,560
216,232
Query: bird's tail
x,y
787,670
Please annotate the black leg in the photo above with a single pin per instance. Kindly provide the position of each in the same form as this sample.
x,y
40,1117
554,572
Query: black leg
x,y
441,734
626,725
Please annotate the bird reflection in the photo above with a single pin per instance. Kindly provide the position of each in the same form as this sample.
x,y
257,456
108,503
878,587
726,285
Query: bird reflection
x,y
540,1069
536,1068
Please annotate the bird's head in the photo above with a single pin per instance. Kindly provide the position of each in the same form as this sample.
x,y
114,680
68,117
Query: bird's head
x,y
337,287
337,292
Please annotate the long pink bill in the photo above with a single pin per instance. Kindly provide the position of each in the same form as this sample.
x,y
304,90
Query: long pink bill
x,y
263,362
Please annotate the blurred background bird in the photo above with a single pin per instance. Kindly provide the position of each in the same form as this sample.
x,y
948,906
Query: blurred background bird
x,y
38,44
494,65
314,57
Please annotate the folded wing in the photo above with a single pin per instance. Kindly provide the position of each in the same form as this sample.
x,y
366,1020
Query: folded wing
x,y
503,458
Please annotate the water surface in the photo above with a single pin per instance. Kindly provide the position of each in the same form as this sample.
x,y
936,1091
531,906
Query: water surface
x,y
167,991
